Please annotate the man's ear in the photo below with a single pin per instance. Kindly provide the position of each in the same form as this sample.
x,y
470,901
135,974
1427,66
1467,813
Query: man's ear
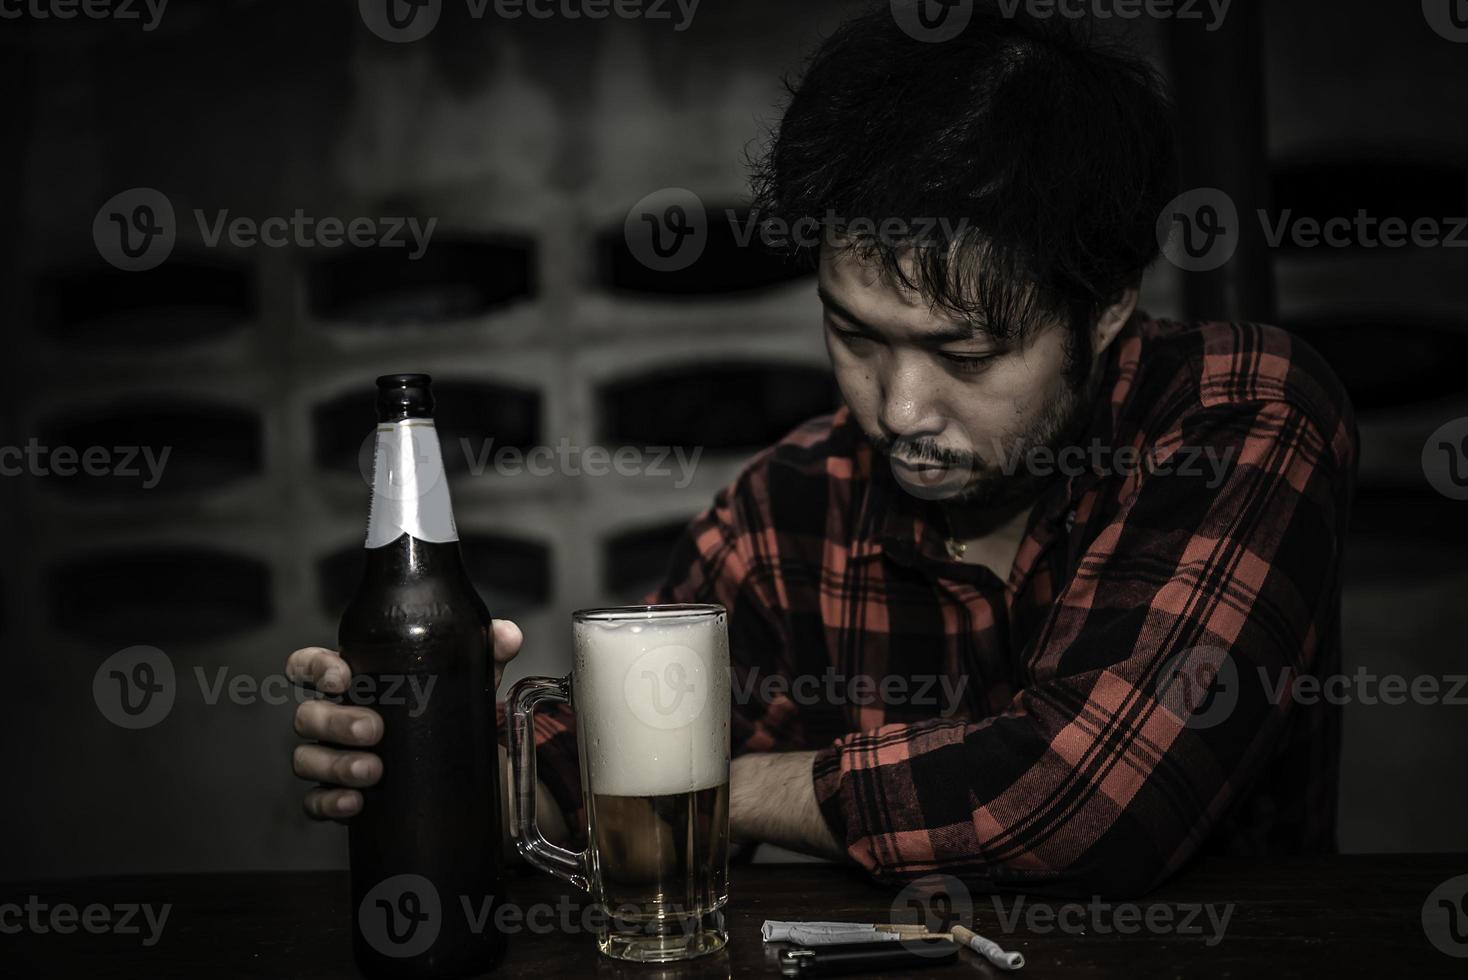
x,y
1115,316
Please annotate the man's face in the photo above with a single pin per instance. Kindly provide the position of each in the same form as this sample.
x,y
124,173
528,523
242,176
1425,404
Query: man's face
x,y
951,408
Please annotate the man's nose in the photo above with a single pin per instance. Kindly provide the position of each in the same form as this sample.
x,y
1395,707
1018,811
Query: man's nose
x,y
907,402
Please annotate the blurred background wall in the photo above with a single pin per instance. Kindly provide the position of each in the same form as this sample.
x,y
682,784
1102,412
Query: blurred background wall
x,y
529,141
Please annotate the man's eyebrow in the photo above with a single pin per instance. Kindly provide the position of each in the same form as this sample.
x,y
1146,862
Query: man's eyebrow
x,y
947,335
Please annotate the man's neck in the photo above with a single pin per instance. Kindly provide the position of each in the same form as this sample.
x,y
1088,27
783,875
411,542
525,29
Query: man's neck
x,y
989,537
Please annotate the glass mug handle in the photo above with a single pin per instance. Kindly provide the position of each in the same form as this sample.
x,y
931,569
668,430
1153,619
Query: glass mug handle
x,y
570,866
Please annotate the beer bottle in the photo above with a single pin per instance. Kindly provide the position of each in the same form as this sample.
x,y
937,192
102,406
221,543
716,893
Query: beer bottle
x,y
425,848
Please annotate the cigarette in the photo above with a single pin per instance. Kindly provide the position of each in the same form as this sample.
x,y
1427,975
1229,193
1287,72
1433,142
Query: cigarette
x,y
827,933
988,949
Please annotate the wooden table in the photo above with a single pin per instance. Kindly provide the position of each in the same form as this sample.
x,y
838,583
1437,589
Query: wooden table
x,y
1317,917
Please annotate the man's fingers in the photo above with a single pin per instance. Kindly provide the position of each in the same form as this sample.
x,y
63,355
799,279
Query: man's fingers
x,y
322,668
321,764
333,804
507,640
344,724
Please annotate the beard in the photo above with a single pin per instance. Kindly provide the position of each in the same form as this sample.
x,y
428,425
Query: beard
x,y
967,478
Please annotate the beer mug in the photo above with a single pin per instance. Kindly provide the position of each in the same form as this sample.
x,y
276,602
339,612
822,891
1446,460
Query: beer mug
x,y
650,687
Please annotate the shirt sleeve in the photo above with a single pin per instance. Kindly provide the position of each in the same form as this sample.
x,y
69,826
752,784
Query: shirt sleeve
x,y
1155,684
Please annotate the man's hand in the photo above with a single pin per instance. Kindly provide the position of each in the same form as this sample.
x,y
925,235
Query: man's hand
x,y
772,798
346,771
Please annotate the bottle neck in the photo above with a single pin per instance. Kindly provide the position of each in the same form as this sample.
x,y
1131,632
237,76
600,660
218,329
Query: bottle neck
x,y
410,490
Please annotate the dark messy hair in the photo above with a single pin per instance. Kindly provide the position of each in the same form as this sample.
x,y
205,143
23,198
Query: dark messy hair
x,y
1049,154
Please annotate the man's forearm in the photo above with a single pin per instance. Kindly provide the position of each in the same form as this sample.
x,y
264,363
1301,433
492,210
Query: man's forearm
x,y
772,798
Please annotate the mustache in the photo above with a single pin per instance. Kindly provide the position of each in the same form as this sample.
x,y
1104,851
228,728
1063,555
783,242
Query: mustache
x,y
924,451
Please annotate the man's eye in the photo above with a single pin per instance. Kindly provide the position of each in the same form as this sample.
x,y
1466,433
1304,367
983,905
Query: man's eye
x,y
968,362
849,336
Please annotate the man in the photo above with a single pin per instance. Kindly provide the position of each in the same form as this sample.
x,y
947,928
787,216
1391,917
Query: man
x,y
1078,554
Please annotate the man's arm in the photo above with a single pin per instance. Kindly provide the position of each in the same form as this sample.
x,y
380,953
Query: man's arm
x,y
772,798
1111,766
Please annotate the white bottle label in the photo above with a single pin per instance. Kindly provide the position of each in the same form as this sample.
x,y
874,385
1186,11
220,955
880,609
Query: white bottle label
x,y
410,491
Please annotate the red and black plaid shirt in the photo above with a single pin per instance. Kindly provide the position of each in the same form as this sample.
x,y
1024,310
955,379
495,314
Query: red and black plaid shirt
x,y
1115,705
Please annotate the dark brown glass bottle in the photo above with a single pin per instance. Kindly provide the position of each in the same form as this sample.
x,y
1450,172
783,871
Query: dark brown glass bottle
x,y
425,848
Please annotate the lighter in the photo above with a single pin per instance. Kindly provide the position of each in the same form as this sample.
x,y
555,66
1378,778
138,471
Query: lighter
x,y
829,961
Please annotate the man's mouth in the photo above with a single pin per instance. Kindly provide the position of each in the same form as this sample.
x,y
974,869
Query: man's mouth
x,y
915,466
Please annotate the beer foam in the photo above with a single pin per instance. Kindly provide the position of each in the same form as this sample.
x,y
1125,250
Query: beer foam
x,y
652,701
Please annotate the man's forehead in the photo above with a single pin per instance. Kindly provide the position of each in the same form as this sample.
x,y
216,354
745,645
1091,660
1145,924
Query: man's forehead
x,y
864,292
